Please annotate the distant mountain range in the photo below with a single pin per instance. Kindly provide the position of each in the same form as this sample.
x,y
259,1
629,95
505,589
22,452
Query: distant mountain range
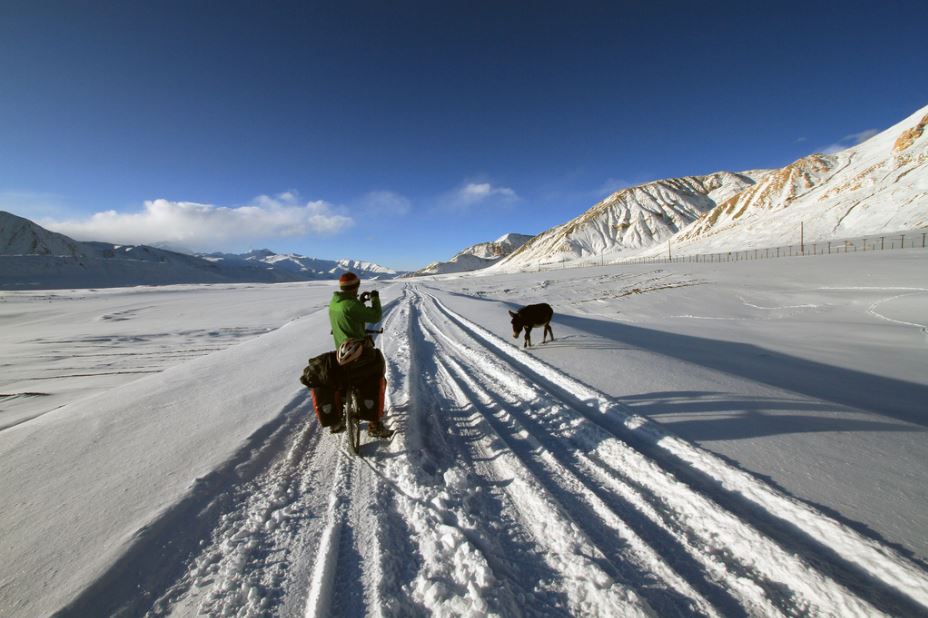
x,y
879,186
32,257
477,256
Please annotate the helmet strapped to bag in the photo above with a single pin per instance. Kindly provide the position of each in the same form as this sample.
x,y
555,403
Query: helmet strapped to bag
x,y
350,350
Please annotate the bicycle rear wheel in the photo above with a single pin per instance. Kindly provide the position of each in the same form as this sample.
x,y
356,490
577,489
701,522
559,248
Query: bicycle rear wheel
x,y
352,422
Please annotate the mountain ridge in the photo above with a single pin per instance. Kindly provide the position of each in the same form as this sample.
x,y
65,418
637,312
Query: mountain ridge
x,y
877,186
631,218
478,256
35,258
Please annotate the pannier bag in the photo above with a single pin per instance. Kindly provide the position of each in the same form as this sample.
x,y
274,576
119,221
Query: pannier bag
x,y
372,394
366,374
327,403
327,382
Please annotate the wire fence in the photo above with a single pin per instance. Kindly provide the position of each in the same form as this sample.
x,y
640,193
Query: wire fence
x,y
912,239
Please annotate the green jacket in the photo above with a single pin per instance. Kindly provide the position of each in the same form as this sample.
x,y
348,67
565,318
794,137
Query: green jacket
x,y
348,315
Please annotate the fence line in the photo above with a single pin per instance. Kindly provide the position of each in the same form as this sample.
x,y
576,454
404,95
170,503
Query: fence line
x,y
917,239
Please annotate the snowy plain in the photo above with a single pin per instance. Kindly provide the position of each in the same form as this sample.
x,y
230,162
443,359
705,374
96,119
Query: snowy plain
x,y
700,439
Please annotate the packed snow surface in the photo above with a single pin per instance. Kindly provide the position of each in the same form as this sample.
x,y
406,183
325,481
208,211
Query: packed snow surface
x,y
699,439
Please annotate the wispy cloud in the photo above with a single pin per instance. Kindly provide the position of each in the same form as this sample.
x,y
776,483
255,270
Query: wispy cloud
x,y
472,194
385,203
206,226
610,186
848,141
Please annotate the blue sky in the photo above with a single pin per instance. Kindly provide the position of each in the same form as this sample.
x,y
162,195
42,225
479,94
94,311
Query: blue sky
x,y
401,132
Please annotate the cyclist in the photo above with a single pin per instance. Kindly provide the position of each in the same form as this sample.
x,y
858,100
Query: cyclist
x,y
348,316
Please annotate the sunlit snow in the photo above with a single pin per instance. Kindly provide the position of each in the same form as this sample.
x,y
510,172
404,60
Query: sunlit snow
x,y
699,439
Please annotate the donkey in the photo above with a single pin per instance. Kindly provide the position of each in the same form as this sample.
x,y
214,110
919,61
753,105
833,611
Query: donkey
x,y
532,316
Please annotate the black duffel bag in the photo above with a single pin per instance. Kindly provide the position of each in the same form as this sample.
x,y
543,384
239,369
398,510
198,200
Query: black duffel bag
x,y
323,371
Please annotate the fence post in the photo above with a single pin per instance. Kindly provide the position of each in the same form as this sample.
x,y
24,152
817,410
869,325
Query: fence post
x,y
882,243
902,241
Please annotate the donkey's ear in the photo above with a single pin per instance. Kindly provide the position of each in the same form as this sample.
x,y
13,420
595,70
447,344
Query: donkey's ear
x,y
512,314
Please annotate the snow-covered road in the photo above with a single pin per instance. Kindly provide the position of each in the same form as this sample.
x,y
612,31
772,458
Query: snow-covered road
x,y
513,487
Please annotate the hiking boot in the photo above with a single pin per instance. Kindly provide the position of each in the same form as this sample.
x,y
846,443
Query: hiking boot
x,y
377,430
338,427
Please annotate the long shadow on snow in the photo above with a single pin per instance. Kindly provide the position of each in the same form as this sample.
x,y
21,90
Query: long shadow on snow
x,y
785,533
745,417
748,426
880,395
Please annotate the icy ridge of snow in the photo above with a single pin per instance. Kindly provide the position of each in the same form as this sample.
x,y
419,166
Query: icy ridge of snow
x,y
319,598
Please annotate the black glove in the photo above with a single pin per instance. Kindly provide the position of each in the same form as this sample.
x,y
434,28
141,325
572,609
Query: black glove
x,y
375,294
365,296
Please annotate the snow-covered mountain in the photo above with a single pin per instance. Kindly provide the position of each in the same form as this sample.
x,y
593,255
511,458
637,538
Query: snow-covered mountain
x,y
879,186
298,266
632,218
477,256
33,257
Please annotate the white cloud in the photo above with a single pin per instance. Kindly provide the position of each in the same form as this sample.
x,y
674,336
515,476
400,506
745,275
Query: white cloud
x,y
385,203
848,141
205,226
473,193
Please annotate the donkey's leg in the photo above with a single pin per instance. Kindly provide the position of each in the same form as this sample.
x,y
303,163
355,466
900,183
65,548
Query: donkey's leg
x,y
548,330
528,338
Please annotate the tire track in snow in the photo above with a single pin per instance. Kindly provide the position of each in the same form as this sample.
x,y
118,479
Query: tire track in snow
x,y
156,569
585,575
726,580
433,560
877,581
600,515
245,567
